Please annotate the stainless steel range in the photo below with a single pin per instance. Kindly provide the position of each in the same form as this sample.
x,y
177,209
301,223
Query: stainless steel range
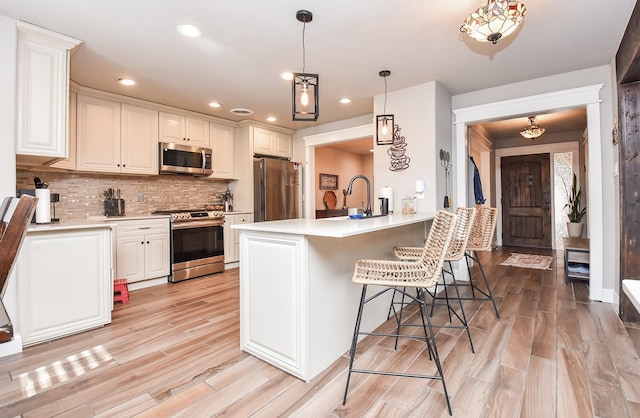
x,y
197,243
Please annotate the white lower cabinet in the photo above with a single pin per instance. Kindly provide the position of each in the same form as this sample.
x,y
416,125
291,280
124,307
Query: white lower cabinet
x,y
142,249
64,282
232,236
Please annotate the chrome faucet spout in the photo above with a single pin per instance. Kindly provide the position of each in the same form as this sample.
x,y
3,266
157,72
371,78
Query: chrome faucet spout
x,y
367,211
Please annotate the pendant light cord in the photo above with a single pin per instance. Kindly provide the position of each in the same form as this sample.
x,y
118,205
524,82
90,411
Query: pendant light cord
x,y
384,109
304,53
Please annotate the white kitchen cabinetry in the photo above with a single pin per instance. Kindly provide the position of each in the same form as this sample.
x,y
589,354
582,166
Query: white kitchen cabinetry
x,y
277,144
232,236
64,282
222,145
184,130
116,138
142,249
139,149
42,92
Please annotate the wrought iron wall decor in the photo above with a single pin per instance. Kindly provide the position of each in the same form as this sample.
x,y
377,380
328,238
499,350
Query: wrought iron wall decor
x,y
397,151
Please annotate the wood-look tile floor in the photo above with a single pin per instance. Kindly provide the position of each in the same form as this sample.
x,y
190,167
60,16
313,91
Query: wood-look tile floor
x,y
174,351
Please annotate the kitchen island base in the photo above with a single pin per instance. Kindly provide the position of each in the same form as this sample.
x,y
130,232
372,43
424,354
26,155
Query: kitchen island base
x,y
297,303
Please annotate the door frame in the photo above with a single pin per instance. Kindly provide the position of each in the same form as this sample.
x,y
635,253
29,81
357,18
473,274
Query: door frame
x,y
588,97
573,147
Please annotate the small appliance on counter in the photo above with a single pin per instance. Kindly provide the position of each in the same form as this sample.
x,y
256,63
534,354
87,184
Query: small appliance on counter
x,y
46,203
113,204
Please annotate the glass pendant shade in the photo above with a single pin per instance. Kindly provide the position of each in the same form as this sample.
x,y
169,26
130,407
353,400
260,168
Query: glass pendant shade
x,y
384,129
533,131
305,96
498,19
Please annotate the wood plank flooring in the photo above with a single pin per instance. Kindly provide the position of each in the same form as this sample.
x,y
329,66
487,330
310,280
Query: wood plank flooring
x,y
174,351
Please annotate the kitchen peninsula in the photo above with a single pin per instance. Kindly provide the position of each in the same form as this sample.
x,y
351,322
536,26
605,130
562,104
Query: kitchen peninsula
x,y
297,302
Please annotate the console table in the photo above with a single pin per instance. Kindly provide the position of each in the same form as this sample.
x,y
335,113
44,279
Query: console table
x,y
576,258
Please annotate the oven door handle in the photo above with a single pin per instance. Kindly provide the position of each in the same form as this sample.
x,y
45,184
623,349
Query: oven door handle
x,y
196,224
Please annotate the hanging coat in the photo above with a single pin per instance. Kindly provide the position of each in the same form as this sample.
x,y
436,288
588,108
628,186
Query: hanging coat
x,y
477,184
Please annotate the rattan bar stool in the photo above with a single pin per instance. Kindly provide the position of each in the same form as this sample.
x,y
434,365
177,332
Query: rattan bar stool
x,y
481,237
462,230
400,275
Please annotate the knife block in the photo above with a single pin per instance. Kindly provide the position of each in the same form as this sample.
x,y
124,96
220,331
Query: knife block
x,y
114,207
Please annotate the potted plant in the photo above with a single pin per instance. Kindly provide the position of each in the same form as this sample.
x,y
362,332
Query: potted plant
x,y
576,211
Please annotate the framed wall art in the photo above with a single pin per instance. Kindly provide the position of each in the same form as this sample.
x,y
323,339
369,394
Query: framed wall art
x,y
328,181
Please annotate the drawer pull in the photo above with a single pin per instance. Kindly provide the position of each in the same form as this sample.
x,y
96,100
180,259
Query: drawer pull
x,y
144,227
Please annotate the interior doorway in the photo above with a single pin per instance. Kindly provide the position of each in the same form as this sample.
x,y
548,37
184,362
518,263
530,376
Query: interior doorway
x,y
588,97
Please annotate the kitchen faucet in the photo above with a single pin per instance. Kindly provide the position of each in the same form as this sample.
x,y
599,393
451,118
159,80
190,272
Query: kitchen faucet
x,y
367,211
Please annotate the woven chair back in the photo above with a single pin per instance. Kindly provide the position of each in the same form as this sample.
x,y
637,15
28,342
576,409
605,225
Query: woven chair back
x,y
484,227
461,233
438,241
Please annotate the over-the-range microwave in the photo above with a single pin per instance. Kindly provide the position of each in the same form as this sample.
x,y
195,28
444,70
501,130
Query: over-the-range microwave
x,y
185,159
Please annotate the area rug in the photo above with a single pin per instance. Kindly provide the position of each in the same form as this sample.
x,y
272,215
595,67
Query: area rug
x,y
541,262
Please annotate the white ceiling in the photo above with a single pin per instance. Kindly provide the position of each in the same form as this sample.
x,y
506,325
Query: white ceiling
x,y
247,44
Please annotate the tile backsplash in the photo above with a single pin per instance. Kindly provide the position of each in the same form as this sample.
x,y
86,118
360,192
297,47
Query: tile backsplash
x,y
81,194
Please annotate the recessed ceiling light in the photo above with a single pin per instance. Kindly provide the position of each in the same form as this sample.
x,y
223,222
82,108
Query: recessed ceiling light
x,y
189,30
126,81
287,76
345,100
214,104
271,119
241,111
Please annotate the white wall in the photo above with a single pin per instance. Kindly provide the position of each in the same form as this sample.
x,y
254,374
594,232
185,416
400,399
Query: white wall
x,y
606,204
423,113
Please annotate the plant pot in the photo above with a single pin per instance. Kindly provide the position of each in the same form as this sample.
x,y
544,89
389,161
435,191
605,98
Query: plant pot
x,y
574,229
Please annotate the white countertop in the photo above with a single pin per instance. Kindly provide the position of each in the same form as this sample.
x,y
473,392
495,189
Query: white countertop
x,y
89,222
335,227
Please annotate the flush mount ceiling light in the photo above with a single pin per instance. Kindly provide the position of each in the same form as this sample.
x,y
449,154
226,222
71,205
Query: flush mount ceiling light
x,y
126,82
189,31
533,130
304,85
384,123
498,19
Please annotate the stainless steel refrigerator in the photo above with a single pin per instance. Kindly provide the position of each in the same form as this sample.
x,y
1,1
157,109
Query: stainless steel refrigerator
x,y
277,189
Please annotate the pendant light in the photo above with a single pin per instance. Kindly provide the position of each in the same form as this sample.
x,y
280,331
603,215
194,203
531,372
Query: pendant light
x,y
532,131
384,122
305,85
498,19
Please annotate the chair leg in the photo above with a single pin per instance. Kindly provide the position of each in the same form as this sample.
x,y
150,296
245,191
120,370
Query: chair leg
x,y
354,342
464,316
429,338
433,352
489,295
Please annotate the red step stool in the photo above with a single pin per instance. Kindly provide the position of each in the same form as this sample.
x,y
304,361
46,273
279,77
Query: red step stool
x,y
120,291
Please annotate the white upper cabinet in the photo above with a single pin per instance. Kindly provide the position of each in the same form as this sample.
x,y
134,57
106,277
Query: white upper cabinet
x,y
277,144
98,134
139,150
42,92
116,138
223,147
185,130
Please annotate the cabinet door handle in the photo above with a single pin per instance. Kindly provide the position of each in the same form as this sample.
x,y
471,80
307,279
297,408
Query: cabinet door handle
x,y
142,242
147,242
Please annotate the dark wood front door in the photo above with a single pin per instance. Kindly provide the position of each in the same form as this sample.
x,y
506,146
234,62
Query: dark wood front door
x,y
526,200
